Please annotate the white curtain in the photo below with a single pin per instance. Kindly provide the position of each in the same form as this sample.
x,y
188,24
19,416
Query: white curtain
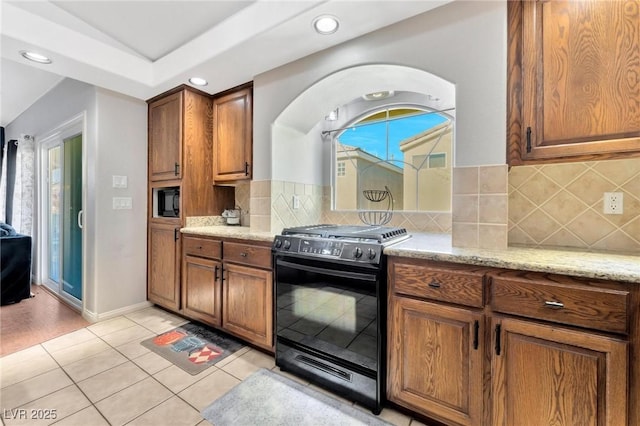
x,y
23,196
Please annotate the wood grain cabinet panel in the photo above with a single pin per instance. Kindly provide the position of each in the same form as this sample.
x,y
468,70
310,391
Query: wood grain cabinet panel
x,y
202,247
573,80
233,135
165,138
435,350
544,375
163,281
179,156
435,358
455,283
565,300
202,279
202,289
248,304
248,254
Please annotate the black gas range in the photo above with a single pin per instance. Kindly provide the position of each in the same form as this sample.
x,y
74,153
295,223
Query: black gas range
x,y
346,243
330,307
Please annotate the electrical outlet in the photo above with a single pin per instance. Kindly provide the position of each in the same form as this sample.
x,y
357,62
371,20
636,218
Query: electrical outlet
x,y
296,202
613,203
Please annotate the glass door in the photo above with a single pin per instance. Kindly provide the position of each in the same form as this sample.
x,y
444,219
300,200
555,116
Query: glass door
x,y
62,212
72,217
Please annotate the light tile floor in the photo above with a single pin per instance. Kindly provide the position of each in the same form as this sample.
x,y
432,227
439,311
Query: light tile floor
x,y
102,375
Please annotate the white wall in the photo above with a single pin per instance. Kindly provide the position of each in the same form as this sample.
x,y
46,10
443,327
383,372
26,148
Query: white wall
x,y
115,142
305,150
463,42
121,235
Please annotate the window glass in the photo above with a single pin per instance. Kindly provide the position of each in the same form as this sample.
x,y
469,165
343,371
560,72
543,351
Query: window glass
x,y
390,153
437,161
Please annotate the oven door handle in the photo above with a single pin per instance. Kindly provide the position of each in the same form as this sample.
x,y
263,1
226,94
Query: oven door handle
x,y
324,271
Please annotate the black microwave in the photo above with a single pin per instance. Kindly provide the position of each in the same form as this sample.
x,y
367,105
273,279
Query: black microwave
x,y
169,202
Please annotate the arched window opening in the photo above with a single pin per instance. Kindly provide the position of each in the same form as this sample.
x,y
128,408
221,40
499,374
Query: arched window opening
x,y
394,158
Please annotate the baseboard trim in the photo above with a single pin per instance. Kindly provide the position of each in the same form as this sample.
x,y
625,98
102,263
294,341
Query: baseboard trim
x,y
95,317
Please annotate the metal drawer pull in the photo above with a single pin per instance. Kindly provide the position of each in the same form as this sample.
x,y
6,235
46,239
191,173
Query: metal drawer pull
x,y
243,254
554,305
434,284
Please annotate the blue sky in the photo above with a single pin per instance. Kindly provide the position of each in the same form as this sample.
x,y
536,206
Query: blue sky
x,y
371,137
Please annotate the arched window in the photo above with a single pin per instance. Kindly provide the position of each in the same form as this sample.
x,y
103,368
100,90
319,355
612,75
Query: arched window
x,y
394,158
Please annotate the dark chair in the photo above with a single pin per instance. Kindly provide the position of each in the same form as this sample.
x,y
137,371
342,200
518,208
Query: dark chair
x,y
15,266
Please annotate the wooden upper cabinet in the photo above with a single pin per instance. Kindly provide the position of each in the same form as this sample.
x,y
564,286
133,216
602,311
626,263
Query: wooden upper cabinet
x,y
573,80
233,135
181,150
165,138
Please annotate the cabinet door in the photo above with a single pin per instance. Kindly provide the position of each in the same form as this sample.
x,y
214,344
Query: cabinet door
x,y
201,290
580,62
435,358
233,136
163,286
165,138
544,375
247,304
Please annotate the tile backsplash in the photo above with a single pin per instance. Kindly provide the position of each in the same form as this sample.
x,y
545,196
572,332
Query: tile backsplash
x,y
553,205
272,209
480,207
561,205
285,213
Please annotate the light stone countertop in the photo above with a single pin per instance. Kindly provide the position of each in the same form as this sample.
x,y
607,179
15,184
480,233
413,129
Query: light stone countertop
x,y
226,231
598,265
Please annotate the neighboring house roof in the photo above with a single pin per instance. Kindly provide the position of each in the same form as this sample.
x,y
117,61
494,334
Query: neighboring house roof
x,y
348,152
426,136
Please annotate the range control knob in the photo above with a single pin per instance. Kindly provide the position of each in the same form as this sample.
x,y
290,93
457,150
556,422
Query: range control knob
x,y
371,253
286,244
357,253
278,243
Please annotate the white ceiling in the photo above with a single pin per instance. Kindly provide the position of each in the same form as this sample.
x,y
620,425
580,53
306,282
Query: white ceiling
x,y
145,47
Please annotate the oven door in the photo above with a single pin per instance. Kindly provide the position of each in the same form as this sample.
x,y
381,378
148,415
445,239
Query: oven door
x,y
329,323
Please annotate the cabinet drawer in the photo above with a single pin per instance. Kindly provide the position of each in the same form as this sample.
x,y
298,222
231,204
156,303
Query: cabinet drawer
x,y
564,301
456,285
202,247
248,254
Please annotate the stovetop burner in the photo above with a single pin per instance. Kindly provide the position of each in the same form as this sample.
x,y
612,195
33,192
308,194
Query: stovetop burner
x,y
379,234
341,243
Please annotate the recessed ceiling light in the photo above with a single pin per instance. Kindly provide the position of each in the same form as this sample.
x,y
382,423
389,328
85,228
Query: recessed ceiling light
x,y
376,96
326,24
35,57
198,81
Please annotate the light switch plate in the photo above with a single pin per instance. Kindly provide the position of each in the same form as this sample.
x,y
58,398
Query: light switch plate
x,y
119,181
122,203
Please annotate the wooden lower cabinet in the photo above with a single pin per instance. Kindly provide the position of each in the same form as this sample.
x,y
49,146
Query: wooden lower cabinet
x,y
201,289
546,375
163,284
248,304
436,360
498,347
